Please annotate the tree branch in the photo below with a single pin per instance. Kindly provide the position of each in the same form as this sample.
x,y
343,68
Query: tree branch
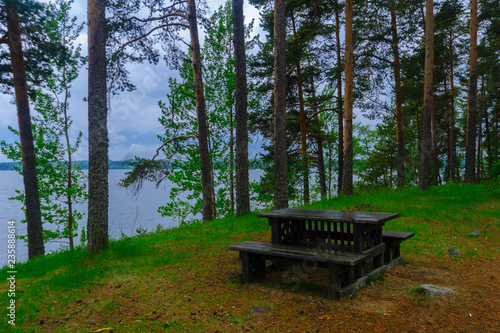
x,y
173,139
374,56
121,48
322,110
151,19
4,39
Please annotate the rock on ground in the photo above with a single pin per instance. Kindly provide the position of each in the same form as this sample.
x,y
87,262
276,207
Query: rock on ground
x,y
434,291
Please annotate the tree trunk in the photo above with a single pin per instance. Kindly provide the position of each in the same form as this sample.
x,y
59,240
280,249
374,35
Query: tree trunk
x,y
426,142
435,160
231,159
302,125
470,146
480,135
242,178
205,159
70,166
280,144
488,143
340,115
319,141
97,225
33,213
399,105
451,137
347,186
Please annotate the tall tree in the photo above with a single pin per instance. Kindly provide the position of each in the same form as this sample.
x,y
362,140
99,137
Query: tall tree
x,y
347,184
97,225
171,18
340,114
205,160
242,179
13,39
280,142
397,91
470,146
426,142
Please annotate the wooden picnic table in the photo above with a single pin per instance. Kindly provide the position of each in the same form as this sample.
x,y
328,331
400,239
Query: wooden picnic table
x,y
333,229
343,242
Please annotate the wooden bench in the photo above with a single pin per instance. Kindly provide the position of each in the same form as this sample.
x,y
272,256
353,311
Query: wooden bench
x,y
339,263
392,240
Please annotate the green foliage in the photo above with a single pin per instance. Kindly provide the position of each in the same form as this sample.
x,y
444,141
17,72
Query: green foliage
x,y
60,183
182,163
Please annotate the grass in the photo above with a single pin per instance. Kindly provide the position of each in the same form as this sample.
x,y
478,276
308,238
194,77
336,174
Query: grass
x,y
177,261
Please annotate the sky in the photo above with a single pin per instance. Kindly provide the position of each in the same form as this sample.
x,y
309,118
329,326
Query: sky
x,y
133,117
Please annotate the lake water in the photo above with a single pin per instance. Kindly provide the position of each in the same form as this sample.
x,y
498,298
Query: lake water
x,y
127,213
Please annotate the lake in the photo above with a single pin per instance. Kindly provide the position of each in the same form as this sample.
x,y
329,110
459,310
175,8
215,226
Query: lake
x,y
127,213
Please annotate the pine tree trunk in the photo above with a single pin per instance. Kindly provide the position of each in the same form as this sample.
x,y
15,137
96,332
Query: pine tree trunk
x,y
426,142
280,142
97,225
399,105
33,213
302,125
242,178
480,135
347,184
435,159
231,160
205,160
319,141
70,166
488,143
451,143
340,115
470,146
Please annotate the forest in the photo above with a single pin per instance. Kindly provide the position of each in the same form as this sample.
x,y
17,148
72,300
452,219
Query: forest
x,y
424,73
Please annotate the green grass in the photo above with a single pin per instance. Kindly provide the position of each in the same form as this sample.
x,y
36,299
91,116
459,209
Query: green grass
x,y
440,218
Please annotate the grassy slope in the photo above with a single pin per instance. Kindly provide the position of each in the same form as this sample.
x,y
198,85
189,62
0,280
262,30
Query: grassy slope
x,y
184,279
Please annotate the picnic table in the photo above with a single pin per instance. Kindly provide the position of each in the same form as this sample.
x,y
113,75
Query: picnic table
x,y
344,242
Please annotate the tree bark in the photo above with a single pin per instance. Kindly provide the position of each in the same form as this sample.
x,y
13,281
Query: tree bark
x,y
98,200
319,141
340,115
347,184
70,166
451,143
479,171
426,142
205,159
470,146
280,142
33,213
242,178
399,105
302,125
231,160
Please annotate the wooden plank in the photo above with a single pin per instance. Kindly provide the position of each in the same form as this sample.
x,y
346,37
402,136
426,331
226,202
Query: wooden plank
x,y
302,253
329,215
401,235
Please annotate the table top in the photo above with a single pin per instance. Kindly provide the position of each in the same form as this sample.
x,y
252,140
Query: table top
x,y
329,215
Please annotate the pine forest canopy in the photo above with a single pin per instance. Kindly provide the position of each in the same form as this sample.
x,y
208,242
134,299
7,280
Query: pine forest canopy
x,y
294,90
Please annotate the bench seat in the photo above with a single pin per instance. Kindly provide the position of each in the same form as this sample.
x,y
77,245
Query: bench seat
x,y
392,240
339,263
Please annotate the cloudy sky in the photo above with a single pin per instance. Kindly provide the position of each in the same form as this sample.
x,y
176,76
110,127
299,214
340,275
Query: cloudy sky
x,y
133,118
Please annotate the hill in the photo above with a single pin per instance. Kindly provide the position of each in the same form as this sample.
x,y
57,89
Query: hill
x,y
185,279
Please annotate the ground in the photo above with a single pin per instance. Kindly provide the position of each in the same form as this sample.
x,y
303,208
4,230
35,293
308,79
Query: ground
x,y
185,279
